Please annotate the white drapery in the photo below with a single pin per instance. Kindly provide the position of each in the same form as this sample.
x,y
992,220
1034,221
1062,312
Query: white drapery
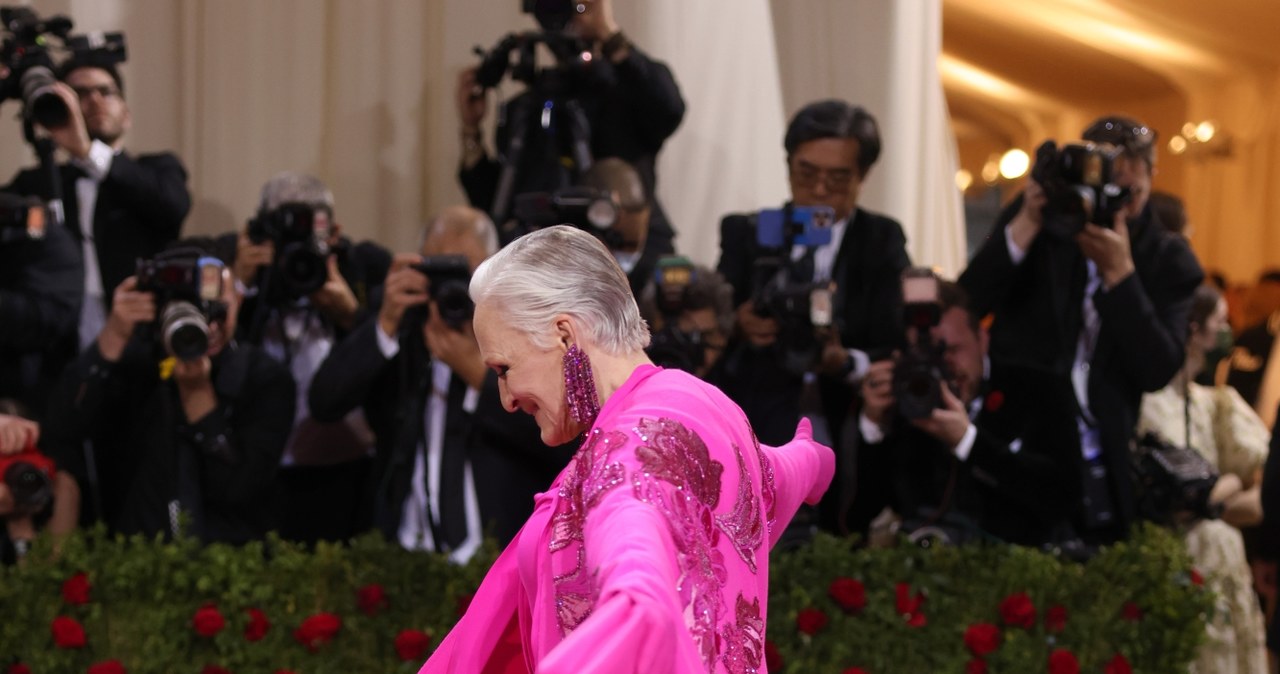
x,y
361,94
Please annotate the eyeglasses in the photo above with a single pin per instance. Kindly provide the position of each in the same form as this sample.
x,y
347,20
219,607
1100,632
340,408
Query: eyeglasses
x,y
1134,138
836,181
103,90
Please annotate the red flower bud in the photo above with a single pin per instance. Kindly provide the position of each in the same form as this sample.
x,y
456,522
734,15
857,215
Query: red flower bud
x,y
982,638
1196,578
1017,610
1118,665
975,666
1055,619
811,621
107,667
257,626
1063,661
208,621
214,669
67,633
75,590
412,645
1131,612
910,607
848,593
772,658
854,670
317,630
19,668
371,599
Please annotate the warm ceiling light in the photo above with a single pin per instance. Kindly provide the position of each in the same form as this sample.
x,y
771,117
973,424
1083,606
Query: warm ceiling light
x,y
1177,145
1014,164
990,171
963,179
1189,129
1205,131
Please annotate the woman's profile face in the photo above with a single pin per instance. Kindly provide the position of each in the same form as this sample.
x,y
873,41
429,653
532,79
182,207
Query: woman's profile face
x,y
530,378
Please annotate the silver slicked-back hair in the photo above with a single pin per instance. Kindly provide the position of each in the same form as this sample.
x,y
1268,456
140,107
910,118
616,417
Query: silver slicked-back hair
x,y
562,270
292,187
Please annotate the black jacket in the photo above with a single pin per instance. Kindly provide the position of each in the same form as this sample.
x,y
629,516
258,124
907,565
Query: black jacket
x,y
867,312
509,462
220,468
1037,307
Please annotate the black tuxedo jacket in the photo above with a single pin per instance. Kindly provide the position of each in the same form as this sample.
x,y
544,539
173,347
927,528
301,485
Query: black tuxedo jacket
x,y
867,309
1037,308
1019,480
508,460
141,205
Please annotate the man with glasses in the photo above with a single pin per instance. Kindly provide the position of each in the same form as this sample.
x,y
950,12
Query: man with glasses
x,y
1106,307
831,147
118,207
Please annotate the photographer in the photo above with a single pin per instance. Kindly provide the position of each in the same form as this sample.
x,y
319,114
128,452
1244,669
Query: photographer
x,y
628,236
197,432
34,495
40,289
976,452
118,207
689,310
619,104
451,466
1105,304
306,286
831,147
1220,425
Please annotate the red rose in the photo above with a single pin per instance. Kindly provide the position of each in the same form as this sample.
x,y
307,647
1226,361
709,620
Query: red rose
x,y
107,667
848,593
982,638
75,590
995,400
1055,619
1118,665
371,599
67,633
772,658
811,620
854,670
1017,610
1062,661
258,625
317,630
910,607
464,602
975,666
207,621
1196,578
214,669
19,668
1131,612
412,645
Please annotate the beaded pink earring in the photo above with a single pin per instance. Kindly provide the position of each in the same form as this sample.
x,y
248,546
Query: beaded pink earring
x,y
580,386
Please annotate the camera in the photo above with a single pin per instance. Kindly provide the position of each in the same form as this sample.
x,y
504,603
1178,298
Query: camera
x,y
300,233
1171,480
1078,185
553,16
188,290
589,209
449,278
29,477
27,52
920,372
671,346
21,218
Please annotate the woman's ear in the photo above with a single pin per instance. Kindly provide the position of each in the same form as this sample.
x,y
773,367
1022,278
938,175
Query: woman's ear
x,y
566,333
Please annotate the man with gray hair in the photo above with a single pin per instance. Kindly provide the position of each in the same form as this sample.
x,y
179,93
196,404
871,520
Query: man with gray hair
x,y
451,466
305,287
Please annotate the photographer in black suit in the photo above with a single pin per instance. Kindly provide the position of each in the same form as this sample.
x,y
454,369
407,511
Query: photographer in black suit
x,y
451,465
831,147
1103,304
985,461
118,207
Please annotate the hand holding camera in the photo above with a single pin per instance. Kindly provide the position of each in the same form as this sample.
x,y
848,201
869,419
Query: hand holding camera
x,y
405,287
335,298
74,135
472,104
1109,250
454,346
251,256
17,434
129,307
877,393
949,423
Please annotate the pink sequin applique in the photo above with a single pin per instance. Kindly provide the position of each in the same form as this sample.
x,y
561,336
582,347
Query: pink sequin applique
x,y
673,454
588,480
743,525
744,640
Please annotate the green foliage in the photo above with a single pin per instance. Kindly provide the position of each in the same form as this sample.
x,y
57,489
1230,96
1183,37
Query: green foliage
x,y
145,593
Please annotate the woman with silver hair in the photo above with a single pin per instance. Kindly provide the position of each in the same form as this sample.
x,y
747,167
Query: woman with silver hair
x,y
650,551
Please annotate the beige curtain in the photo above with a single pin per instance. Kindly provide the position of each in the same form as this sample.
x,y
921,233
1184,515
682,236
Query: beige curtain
x,y
360,93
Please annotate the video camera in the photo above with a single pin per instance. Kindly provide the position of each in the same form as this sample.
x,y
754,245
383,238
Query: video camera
x,y
554,17
671,346
449,281
21,218
920,372
1171,480
1078,185
586,208
300,233
188,291
29,477
27,51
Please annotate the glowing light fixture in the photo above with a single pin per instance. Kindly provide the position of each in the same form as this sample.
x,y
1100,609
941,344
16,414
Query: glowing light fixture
x,y
1014,164
1205,131
1177,145
963,179
991,171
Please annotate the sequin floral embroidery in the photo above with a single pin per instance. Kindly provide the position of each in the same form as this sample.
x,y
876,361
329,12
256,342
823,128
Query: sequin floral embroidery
x,y
744,640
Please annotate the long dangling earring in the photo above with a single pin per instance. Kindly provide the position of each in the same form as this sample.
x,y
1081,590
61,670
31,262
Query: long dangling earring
x,y
580,386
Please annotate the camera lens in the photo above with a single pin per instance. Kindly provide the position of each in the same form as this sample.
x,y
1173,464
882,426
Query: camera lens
x,y
184,330
454,303
42,103
30,487
303,269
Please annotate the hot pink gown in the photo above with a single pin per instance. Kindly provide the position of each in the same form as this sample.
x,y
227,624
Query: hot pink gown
x,y
650,551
